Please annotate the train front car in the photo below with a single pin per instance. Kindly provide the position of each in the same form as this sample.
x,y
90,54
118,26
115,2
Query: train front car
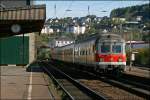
x,y
110,53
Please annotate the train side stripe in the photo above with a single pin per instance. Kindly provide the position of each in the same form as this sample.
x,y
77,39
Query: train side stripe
x,y
113,63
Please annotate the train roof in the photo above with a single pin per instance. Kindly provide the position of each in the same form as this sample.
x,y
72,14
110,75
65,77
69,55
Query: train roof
x,y
95,37
110,36
21,20
102,36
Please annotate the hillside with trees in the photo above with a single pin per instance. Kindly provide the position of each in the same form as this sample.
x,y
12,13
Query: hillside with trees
x,y
130,13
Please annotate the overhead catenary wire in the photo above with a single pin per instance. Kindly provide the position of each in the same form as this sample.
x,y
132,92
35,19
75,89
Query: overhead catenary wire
x,y
70,5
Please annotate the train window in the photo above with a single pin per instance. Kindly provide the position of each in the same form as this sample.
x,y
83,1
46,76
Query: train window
x,y
93,48
116,48
89,51
80,52
86,52
105,48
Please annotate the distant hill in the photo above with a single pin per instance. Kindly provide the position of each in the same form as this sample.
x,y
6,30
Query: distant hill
x,y
130,13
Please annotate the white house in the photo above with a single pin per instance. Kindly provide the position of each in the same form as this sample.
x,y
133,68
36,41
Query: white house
x,y
139,18
82,29
76,29
46,30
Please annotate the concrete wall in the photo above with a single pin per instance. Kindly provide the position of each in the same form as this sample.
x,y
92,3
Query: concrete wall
x,y
32,49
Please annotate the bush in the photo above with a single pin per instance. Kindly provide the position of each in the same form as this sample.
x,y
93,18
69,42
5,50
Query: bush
x,y
43,54
141,58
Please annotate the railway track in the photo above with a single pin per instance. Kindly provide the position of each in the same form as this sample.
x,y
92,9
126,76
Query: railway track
x,y
73,90
130,86
139,79
127,89
135,85
140,82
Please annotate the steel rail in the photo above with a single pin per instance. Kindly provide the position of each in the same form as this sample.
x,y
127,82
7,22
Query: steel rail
x,y
56,81
51,94
130,88
136,84
82,87
142,80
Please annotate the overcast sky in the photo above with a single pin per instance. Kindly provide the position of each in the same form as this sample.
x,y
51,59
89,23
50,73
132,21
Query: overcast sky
x,y
80,8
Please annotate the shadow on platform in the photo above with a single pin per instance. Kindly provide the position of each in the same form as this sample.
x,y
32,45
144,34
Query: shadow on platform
x,y
34,67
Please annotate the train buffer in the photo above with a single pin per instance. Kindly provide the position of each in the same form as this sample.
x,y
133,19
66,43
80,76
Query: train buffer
x,y
17,83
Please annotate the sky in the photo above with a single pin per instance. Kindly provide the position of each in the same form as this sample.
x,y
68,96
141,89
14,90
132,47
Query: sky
x,y
80,8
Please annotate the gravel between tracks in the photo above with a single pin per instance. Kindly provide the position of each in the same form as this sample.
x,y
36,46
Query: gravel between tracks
x,y
109,90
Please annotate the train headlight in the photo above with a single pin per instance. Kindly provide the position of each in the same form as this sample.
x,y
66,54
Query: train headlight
x,y
101,59
111,59
120,60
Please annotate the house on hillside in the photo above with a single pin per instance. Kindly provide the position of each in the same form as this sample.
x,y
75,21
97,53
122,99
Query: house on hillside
x,y
139,18
118,20
47,30
76,29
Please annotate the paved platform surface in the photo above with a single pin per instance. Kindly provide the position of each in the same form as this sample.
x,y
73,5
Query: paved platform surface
x,y
18,84
138,71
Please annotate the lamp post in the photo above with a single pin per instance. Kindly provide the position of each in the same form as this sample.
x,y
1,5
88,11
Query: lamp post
x,y
103,20
130,48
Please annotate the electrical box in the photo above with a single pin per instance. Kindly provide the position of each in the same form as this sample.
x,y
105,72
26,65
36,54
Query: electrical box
x,y
132,56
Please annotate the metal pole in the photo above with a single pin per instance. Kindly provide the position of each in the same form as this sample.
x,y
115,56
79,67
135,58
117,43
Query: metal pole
x,y
55,10
0,56
23,50
130,51
0,52
88,10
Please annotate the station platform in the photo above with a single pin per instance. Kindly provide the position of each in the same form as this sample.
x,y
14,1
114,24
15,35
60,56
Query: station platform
x,y
20,83
138,71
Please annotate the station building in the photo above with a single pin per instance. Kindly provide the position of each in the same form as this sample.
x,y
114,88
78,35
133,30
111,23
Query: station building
x,y
17,49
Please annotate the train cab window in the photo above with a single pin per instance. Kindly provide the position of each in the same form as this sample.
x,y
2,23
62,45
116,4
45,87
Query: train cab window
x,y
116,48
105,48
89,51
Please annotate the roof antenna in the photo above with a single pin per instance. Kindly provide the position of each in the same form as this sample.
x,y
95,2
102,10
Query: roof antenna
x,y
55,10
88,10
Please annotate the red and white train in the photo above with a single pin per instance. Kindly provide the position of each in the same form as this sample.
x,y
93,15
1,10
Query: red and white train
x,y
100,52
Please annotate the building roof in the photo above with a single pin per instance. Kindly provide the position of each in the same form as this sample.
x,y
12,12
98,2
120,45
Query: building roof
x,y
32,22
15,3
